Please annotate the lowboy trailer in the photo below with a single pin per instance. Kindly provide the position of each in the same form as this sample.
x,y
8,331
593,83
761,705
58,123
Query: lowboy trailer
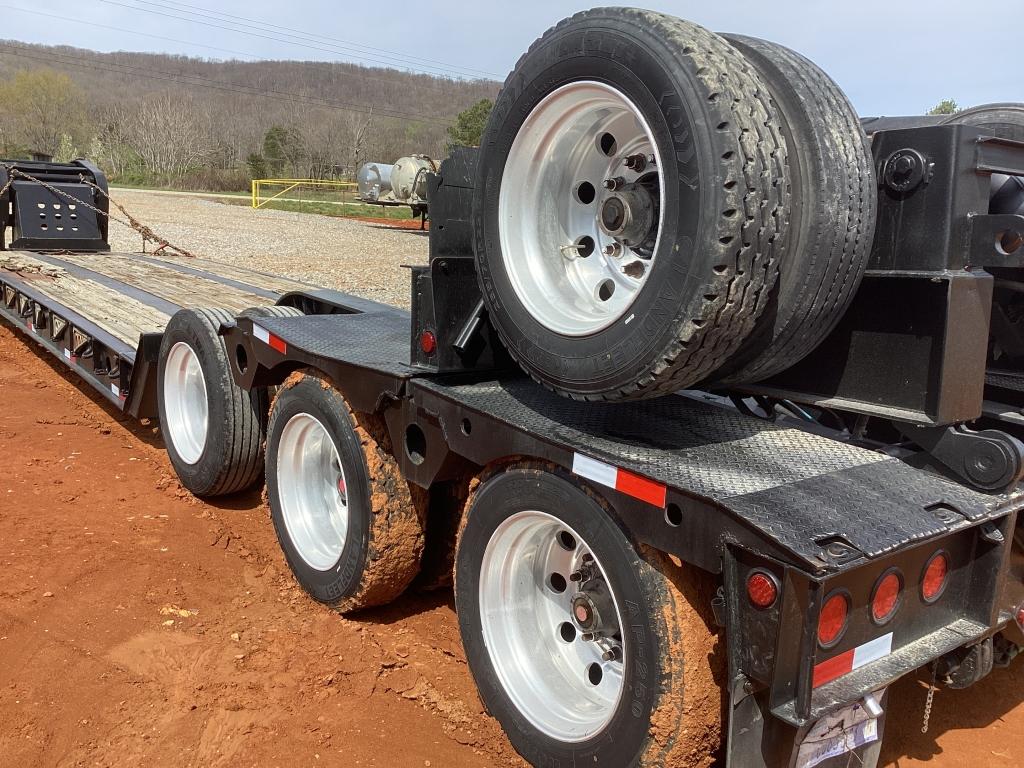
x,y
645,573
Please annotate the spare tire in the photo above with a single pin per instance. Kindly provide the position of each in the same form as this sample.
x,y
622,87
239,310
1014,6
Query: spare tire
x,y
630,209
1004,120
833,203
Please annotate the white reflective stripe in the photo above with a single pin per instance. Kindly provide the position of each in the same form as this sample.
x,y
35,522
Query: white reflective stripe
x,y
67,353
261,333
115,389
872,651
595,470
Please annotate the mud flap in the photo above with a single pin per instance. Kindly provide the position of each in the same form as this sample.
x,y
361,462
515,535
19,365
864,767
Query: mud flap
x,y
758,739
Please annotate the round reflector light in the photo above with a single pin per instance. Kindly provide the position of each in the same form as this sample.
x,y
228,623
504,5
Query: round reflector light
x,y
886,596
428,342
832,622
762,590
933,581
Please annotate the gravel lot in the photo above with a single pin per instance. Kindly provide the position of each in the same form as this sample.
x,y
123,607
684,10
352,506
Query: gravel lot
x,y
357,257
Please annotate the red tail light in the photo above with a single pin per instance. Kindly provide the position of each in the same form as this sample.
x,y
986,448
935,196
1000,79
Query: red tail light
x,y
762,590
428,342
933,580
834,615
885,598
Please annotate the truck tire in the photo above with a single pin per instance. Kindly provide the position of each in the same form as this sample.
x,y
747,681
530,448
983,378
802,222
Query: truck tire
x,y
833,199
541,564
344,515
640,290
1005,120
213,430
274,311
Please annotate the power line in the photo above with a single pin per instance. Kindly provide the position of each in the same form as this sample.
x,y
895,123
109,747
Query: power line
x,y
433,86
117,68
334,50
374,50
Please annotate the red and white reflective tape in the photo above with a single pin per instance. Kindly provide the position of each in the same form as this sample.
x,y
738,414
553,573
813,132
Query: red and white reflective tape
x,y
855,658
69,356
272,341
619,479
117,391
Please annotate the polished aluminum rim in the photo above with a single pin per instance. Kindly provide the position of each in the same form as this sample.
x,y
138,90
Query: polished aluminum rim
x,y
312,490
562,676
572,269
185,403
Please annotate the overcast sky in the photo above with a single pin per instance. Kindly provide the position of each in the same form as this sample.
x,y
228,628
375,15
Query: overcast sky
x,y
893,57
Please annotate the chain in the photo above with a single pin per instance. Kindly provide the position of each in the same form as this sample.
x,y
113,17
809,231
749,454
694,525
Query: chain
x,y
929,699
147,233
130,221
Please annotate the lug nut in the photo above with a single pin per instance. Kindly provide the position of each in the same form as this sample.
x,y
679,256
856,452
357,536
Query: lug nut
x,y
612,654
614,183
612,249
576,576
636,162
588,636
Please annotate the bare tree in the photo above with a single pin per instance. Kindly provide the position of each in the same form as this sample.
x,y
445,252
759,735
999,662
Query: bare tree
x,y
168,133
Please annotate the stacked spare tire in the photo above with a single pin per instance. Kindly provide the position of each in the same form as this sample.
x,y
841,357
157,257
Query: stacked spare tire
x,y
659,207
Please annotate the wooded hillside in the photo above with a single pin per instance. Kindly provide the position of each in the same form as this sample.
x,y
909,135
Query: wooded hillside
x,y
214,124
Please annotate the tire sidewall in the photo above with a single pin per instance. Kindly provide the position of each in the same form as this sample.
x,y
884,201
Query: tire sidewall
x,y
634,61
206,472
624,738
344,578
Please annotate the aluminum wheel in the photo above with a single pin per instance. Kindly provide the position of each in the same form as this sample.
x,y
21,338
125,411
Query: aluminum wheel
x,y
185,403
551,626
312,491
580,208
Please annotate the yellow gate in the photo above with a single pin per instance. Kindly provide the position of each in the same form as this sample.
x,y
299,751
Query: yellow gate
x,y
310,191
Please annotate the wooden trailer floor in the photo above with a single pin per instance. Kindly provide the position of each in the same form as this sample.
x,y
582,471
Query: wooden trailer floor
x,y
128,294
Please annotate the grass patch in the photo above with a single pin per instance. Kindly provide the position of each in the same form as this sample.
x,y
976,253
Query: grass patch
x,y
341,211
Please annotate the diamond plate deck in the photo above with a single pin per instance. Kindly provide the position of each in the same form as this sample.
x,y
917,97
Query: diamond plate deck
x,y
374,340
800,489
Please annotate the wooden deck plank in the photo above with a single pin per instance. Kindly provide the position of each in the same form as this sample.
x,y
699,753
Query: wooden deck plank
x,y
181,288
235,272
121,316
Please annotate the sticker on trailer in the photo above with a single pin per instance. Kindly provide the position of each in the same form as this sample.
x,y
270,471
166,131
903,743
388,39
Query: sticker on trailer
x,y
69,356
619,479
272,341
855,658
837,734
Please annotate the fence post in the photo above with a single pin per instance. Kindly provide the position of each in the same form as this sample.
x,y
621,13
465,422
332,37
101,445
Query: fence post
x,y
255,187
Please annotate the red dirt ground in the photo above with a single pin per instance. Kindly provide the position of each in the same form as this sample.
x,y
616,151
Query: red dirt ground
x,y
396,223
139,626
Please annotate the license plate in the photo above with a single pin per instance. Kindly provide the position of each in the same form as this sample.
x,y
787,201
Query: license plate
x,y
837,734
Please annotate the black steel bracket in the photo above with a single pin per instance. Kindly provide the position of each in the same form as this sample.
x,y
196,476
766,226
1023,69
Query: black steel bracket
x,y
989,460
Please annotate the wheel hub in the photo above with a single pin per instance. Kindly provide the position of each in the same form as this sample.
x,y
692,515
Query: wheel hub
x,y
580,208
312,491
627,215
557,651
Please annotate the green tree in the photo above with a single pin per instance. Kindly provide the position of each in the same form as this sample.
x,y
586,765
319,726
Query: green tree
x,y
282,149
945,107
469,124
257,165
40,107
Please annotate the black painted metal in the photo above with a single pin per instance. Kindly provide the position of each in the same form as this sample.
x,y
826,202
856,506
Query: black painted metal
x,y
41,219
